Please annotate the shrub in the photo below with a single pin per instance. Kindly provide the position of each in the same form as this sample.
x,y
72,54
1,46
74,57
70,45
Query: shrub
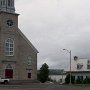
x,y
86,81
79,81
43,73
67,79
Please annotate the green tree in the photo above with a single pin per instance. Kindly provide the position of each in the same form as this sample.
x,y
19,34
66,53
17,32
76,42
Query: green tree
x,y
67,79
79,81
43,73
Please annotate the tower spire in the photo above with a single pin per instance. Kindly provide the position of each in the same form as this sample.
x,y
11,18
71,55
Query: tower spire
x,y
7,6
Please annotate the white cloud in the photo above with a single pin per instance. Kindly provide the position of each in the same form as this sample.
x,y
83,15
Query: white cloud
x,y
52,25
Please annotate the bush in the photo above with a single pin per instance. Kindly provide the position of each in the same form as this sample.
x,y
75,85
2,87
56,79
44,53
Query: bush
x,y
43,73
86,81
79,81
50,79
67,79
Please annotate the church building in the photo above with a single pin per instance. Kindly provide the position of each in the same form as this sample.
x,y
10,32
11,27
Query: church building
x,y
18,57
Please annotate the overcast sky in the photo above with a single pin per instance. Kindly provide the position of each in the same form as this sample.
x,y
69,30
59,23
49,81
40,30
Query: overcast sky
x,y
52,25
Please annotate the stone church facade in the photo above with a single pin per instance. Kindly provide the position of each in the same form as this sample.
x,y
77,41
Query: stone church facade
x,y
18,57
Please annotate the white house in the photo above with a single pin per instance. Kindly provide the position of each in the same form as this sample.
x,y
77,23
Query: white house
x,y
80,68
58,75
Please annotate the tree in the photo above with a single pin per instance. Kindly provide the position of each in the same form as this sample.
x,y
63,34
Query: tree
x,y
86,81
79,81
43,73
67,79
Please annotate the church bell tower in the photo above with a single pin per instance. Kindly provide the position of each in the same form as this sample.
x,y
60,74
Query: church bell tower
x,y
7,6
8,31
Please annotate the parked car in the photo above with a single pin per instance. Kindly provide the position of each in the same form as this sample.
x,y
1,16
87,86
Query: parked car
x,y
3,80
49,82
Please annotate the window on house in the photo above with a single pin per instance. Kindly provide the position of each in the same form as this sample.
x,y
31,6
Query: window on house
x,y
88,61
79,66
80,77
87,77
29,75
9,47
73,77
88,66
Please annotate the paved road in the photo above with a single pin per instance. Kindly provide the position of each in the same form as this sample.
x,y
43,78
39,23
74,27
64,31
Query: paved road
x,y
41,87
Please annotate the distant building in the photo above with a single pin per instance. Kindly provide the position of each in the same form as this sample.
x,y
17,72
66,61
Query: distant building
x,y
58,75
81,68
18,57
56,71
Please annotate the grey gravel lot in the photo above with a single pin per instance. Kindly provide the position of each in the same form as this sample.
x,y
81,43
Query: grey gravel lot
x,y
42,87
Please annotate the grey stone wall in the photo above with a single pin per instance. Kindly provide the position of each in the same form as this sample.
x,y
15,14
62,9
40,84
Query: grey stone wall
x,y
21,52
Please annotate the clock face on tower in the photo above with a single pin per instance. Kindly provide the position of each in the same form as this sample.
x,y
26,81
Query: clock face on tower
x,y
9,22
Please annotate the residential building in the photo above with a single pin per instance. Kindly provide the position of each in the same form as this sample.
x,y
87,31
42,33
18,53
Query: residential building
x,y
81,68
57,75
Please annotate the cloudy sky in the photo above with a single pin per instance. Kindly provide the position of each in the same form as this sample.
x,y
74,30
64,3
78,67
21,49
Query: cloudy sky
x,y
52,25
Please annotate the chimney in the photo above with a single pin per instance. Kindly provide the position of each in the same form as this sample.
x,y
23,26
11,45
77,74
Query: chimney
x,y
75,58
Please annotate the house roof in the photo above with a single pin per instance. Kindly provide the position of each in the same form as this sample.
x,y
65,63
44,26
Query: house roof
x,y
27,41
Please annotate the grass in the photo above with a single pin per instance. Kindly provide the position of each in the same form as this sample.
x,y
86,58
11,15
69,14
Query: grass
x,y
80,85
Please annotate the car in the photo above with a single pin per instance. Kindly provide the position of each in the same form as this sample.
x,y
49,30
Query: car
x,y
3,80
49,82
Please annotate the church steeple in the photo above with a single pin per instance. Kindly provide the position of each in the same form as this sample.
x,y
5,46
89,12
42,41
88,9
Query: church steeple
x,y
7,6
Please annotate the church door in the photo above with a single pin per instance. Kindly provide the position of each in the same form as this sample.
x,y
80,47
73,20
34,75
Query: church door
x,y
8,73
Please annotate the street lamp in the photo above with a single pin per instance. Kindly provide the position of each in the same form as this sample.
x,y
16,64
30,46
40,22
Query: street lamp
x,y
69,51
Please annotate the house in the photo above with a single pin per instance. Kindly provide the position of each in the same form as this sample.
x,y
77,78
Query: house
x,y
58,75
80,68
18,57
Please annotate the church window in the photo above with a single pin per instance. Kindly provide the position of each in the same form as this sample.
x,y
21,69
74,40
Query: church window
x,y
12,3
9,47
29,75
9,66
3,2
29,60
9,3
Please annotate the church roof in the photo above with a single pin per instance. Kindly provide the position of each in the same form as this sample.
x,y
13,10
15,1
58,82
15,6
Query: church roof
x,y
27,41
8,12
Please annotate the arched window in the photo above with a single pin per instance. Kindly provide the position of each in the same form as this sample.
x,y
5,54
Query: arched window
x,y
9,47
29,61
9,66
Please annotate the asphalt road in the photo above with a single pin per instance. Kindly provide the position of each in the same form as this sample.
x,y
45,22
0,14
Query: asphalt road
x,y
42,87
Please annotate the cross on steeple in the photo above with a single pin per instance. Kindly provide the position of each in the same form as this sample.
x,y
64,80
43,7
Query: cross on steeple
x,y
7,6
